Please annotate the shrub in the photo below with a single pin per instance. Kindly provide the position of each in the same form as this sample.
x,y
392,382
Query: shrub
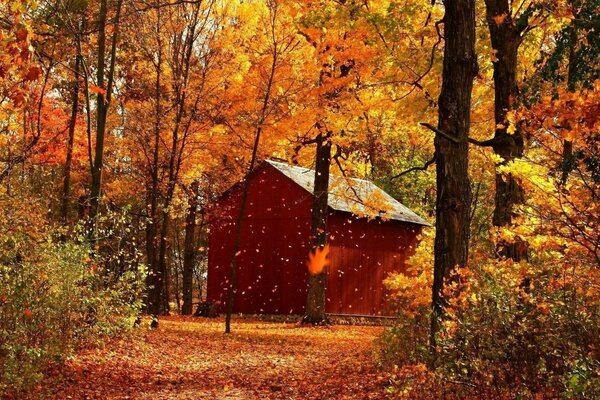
x,y
512,330
53,299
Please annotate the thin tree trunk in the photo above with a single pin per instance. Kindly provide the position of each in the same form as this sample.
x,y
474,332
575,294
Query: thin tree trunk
x,y
189,249
315,299
66,192
452,158
176,154
567,156
176,274
102,103
162,263
155,276
238,233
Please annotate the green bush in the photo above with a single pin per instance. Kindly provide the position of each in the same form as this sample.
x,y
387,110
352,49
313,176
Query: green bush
x,y
53,299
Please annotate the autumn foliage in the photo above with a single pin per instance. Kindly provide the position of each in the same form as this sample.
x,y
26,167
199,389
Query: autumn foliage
x,y
121,121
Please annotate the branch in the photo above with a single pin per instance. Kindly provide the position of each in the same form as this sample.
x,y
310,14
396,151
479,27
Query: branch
x,y
421,168
439,132
336,157
483,143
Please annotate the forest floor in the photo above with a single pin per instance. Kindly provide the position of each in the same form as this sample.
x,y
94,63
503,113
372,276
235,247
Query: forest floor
x,y
191,358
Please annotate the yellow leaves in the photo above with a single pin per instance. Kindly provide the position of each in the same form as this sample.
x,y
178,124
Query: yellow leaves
x,y
496,159
318,260
243,64
250,13
511,123
411,293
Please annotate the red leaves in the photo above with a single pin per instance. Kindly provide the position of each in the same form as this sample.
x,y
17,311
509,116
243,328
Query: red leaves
x,y
21,34
33,73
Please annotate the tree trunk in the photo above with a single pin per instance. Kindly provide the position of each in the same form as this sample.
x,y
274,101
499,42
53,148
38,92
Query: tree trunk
x,y
568,161
189,249
452,157
103,98
163,298
154,281
506,38
315,299
257,134
96,171
64,208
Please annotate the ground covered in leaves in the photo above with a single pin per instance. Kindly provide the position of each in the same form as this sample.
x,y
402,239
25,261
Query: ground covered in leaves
x,y
191,358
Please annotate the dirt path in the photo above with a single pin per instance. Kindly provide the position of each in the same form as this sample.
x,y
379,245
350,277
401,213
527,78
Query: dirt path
x,y
192,359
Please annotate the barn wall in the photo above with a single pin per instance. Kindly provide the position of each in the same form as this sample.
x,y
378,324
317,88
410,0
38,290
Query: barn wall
x,y
363,254
272,275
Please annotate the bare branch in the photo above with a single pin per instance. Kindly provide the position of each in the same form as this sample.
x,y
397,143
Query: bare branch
x,y
419,168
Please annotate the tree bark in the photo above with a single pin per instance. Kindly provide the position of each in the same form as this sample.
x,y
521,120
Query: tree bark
x,y
315,299
189,249
453,187
568,161
64,207
505,35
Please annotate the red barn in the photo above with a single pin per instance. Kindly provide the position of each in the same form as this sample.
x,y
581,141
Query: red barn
x,y
272,274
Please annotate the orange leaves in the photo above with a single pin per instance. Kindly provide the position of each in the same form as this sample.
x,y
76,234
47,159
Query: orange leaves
x,y
500,18
268,361
317,260
97,90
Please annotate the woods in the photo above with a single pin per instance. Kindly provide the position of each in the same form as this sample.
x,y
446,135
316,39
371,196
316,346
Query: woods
x,y
133,141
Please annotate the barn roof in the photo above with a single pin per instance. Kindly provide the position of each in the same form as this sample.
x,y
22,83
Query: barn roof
x,y
353,195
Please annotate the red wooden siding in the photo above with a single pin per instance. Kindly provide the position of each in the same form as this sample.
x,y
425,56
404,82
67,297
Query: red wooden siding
x,y
272,275
363,254
275,232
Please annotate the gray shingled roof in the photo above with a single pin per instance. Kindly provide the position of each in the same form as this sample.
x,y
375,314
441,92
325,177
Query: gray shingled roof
x,y
356,196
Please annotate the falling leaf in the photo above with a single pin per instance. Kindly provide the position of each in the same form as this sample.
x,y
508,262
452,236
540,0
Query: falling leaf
x,y
97,89
317,260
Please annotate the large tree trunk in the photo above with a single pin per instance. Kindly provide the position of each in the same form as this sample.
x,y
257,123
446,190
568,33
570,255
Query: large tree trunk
x,y
189,249
505,35
315,299
66,192
452,156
